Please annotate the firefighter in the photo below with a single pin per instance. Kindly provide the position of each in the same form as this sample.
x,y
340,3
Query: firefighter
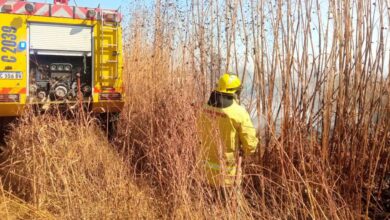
x,y
226,133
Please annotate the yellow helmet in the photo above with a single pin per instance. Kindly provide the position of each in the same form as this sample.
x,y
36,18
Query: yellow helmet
x,y
229,84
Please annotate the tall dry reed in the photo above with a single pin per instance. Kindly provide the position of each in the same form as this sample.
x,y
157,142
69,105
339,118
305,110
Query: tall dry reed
x,y
315,82
317,85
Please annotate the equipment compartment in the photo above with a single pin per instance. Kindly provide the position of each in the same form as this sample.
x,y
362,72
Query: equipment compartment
x,y
59,78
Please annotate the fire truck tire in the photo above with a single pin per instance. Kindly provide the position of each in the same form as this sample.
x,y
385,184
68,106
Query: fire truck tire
x,y
108,122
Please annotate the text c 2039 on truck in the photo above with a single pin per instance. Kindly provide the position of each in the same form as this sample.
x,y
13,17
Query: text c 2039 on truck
x,y
59,54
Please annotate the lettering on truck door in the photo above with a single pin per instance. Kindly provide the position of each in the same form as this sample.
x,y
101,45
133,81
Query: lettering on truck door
x,y
13,56
8,44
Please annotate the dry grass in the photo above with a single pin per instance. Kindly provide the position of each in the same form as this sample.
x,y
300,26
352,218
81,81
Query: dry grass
x,y
319,97
12,207
69,170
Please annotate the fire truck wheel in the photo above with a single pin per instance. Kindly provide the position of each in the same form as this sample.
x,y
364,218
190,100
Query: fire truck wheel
x,y
108,122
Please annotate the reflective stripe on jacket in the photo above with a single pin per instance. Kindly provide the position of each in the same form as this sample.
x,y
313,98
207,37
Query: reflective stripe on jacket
x,y
223,131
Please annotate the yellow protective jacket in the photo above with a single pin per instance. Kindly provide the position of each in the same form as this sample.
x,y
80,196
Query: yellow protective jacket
x,y
223,130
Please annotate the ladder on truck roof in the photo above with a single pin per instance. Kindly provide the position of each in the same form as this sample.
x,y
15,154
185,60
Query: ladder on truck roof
x,y
109,31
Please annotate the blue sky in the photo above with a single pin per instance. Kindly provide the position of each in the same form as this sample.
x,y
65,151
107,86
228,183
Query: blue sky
x,y
108,4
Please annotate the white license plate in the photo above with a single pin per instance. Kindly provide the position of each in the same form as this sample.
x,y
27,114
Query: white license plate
x,y
10,75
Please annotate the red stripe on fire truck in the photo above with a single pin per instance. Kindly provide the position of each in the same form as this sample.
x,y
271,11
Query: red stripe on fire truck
x,y
22,91
96,90
63,11
42,9
80,13
19,8
5,90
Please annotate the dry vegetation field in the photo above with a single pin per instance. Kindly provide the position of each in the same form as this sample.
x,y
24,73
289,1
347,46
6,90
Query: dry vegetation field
x,y
317,83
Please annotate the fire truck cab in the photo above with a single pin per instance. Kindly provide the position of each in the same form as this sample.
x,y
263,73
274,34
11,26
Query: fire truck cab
x,y
59,54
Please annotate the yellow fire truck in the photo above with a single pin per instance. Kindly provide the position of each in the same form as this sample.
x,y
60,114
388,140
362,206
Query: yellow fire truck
x,y
59,54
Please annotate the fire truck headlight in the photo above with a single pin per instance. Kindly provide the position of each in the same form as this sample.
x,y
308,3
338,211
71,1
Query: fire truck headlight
x,y
60,68
29,8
